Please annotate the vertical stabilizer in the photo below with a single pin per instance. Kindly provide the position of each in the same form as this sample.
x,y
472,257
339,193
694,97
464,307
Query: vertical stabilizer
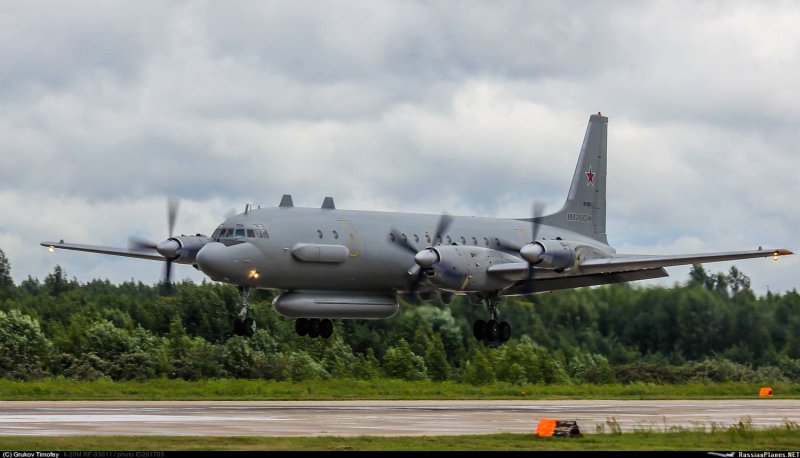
x,y
584,211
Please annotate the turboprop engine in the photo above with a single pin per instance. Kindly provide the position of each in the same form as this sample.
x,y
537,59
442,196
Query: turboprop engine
x,y
182,249
550,254
463,268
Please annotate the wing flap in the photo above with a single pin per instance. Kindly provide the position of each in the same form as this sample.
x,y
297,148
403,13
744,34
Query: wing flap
x,y
130,253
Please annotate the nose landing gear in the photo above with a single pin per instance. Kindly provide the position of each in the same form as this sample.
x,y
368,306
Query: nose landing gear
x,y
244,325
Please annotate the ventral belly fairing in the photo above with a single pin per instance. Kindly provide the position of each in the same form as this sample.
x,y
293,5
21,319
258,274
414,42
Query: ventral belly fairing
x,y
347,264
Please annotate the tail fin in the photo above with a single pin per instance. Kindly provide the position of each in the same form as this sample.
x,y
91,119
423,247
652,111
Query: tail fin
x,y
584,211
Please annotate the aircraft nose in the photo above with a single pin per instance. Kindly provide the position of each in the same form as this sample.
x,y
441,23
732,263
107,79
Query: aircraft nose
x,y
231,264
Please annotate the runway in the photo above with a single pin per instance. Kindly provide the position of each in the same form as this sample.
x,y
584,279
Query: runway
x,y
380,418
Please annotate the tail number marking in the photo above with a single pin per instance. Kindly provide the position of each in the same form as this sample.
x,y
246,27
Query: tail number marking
x,y
579,218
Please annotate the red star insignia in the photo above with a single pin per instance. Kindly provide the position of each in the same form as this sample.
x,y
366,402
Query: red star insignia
x,y
590,176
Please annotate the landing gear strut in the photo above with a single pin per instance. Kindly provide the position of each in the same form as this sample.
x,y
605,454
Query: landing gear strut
x,y
244,325
314,327
492,331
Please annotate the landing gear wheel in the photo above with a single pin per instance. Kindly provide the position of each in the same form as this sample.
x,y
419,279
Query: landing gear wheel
x,y
504,332
479,329
492,331
249,327
313,328
238,327
301,326
325,328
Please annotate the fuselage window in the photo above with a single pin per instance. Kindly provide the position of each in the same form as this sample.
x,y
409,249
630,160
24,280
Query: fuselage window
x,y
404,237
391,236
449,240
428,238
215,235
416,238
474,241
335,235
251,233
486,241
228,233
261,232
239,230
319,233
463,240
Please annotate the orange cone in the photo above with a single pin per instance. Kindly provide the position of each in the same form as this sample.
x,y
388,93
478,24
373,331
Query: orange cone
x,y
546,427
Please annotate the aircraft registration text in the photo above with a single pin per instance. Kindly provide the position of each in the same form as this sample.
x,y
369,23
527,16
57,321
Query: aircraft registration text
x,y
579,217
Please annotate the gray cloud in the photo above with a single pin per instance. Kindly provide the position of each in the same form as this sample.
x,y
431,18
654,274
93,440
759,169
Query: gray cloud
x,y
471,107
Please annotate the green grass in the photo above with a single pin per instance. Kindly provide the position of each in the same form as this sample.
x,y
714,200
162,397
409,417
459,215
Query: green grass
x,y
234,389
728,439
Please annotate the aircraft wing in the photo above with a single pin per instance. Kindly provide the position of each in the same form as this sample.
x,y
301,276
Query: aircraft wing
x,y
631,263
627,263
130,253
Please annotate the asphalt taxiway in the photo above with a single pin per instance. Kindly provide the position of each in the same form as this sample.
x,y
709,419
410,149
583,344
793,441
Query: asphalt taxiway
x,y
380,418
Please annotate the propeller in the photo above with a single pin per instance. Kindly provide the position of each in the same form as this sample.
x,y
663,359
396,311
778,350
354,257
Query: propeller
x,y
168,248
538,210
530,250
425,259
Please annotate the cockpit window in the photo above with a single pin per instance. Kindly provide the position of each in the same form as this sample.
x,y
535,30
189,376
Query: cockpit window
x,y
254,231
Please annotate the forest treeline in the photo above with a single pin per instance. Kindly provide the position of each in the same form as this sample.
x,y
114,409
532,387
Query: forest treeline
x,y
711,328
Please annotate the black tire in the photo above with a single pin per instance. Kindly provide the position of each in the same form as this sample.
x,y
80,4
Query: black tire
x,y
504,332
238,327
479,329
313,327
325,328
301,326
492,331
249,327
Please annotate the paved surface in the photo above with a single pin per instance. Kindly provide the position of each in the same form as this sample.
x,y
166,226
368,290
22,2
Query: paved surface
x,y
315,418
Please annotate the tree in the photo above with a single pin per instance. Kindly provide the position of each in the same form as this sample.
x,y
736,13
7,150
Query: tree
x,y
480,370
6,282
57,282
400,362
436,360
25,352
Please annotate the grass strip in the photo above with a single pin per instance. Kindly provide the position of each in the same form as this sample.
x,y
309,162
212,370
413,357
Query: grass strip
x,y
728,439
344,389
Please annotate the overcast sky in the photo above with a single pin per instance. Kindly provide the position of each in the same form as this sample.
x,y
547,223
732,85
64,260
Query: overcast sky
x,y
477,108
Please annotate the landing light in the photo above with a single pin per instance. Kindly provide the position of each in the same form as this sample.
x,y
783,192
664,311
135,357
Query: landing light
x,y
254,274
775,256
51,249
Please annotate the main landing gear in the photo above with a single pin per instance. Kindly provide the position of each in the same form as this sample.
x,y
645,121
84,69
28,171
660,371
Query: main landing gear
x,y
244,325
314,327
492,331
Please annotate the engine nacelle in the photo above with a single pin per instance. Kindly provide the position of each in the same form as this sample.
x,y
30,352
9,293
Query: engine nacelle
x,y
464,268
335,304
186,248
550,254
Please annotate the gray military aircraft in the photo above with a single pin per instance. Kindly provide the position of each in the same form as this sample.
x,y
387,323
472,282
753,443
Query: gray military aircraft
x,y
347,264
